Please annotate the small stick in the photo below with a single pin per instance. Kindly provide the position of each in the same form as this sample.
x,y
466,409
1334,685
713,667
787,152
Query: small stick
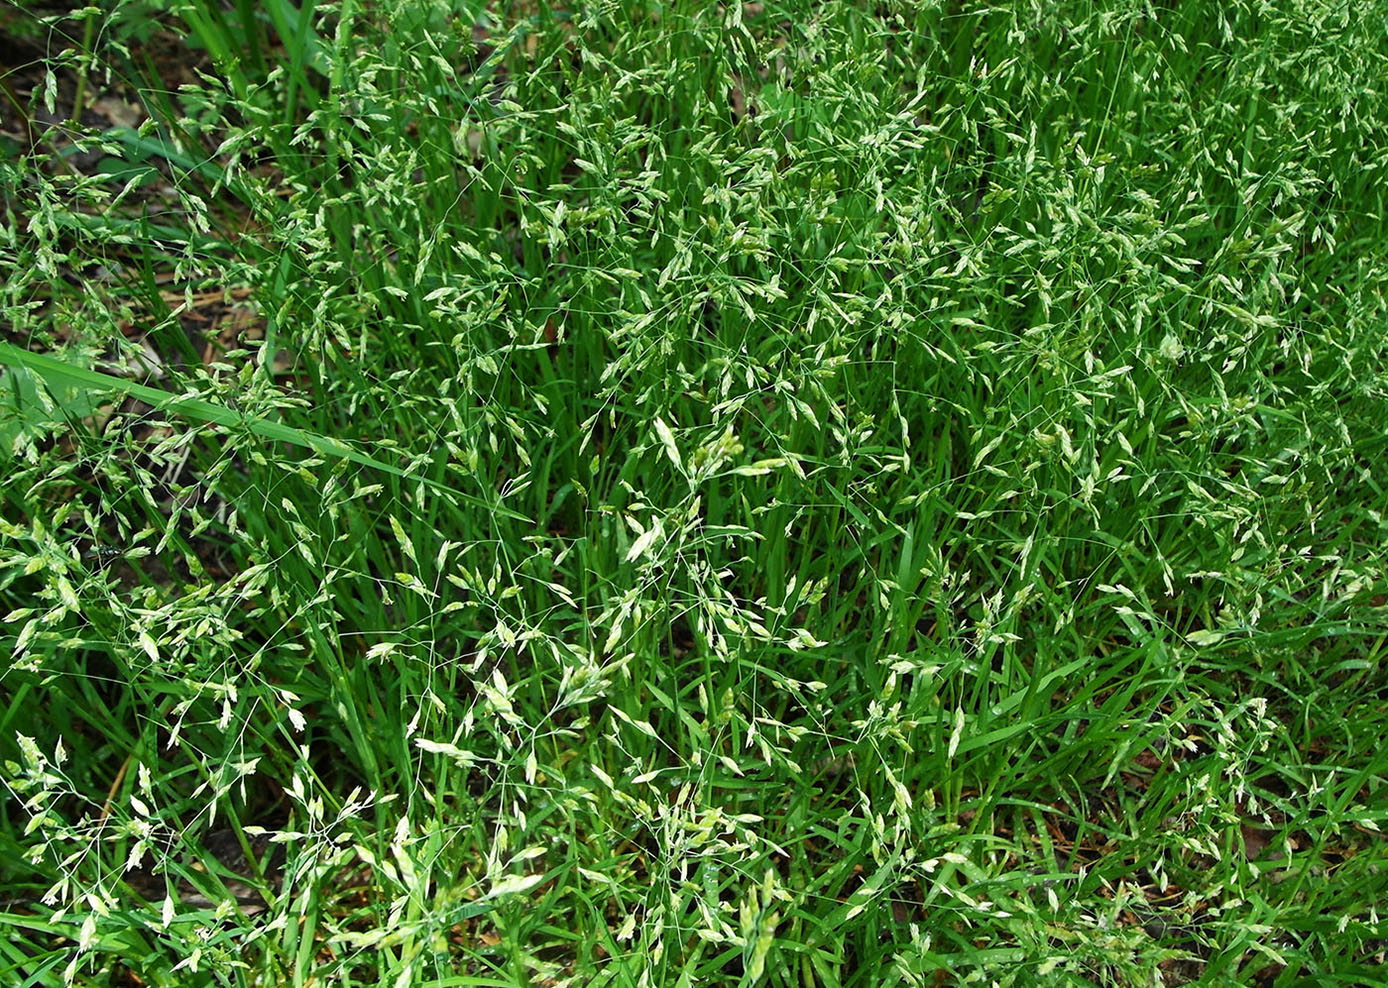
x,y
115,787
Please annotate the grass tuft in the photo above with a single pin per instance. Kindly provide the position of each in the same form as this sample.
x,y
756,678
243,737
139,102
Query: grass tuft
x,y
836,494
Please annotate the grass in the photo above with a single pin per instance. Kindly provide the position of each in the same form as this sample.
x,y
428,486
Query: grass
x,y
812,494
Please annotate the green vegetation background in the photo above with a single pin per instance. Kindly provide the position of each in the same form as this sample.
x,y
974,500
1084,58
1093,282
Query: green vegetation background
x,y
781,493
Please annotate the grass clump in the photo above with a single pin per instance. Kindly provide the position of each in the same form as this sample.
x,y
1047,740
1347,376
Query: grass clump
x,y
674,493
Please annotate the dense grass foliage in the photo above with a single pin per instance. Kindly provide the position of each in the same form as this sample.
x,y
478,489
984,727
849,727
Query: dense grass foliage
x,y
795,493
